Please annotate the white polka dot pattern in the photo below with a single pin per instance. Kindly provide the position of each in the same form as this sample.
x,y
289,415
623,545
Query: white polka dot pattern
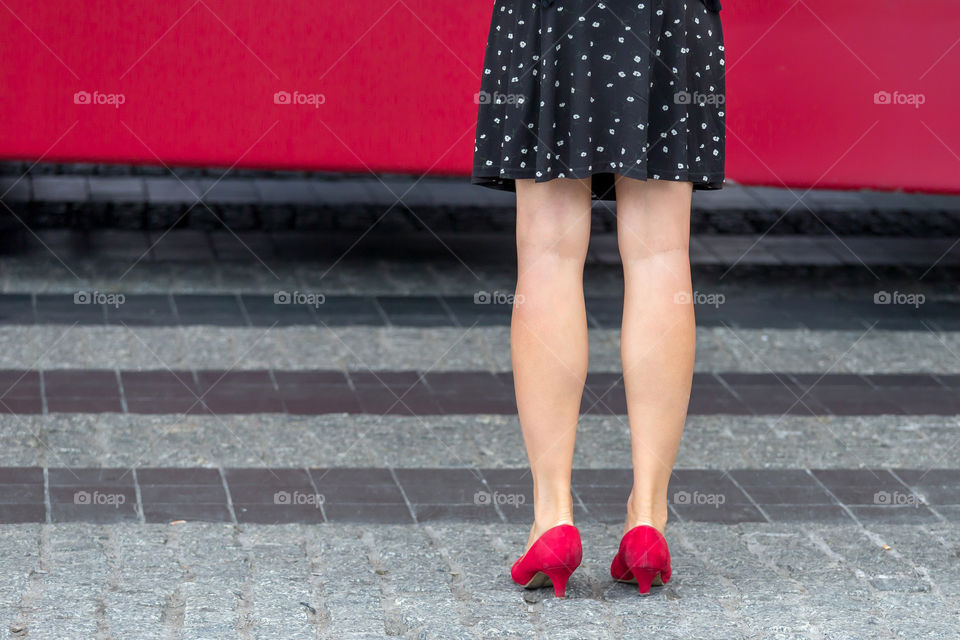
x,y
577,88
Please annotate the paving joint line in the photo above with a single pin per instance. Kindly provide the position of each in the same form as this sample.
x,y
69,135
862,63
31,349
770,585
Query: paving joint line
x,y
226,490
496,506
403,493
749,497
834,497
136,487
47,508
316,492
123,397
913,493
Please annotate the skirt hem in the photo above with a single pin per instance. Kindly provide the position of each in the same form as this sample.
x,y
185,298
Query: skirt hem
x,y
602,184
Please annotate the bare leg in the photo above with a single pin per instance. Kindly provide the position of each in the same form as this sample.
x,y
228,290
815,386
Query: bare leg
x,y
548,336
658,338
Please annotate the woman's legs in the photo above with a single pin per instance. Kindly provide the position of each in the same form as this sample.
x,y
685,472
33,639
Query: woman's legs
x,y
658,338
548,336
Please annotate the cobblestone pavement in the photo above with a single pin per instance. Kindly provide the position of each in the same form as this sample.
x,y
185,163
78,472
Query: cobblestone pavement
x,y
866,351
143,444
449,580
480,440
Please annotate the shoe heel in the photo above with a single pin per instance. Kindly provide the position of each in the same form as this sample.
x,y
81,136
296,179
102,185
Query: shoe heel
x,y
559,577
645,577
643,556
554,556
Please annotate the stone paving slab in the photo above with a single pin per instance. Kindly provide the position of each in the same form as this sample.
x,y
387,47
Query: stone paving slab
x,y
445,580
421,393
460,265
391,267
483,308
710,442
264,495
326,191
273,252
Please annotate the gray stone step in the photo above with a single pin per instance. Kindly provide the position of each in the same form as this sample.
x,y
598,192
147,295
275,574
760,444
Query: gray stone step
x,y
84,196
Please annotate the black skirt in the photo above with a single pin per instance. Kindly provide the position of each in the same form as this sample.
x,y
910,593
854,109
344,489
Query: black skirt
x,y
577,88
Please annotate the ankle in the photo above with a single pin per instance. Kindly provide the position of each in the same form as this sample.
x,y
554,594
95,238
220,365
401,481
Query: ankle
x,y
552,507
543,522
549,515
644,512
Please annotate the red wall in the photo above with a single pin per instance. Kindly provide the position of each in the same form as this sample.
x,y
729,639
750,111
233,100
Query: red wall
x,y
198,79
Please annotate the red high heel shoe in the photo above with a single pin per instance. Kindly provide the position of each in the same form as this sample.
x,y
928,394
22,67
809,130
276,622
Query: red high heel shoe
x,y
551,559
643,558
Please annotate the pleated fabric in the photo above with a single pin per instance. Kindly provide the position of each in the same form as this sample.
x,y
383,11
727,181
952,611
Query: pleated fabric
x,y
578,88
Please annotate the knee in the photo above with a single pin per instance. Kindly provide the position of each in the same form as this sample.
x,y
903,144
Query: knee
x,y
652,247
553,224
653,220
551,238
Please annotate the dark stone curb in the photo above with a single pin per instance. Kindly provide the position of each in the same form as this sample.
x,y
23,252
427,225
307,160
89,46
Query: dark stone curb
x,y
414,191
405,496
147,198
769,256
409,393
297,308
